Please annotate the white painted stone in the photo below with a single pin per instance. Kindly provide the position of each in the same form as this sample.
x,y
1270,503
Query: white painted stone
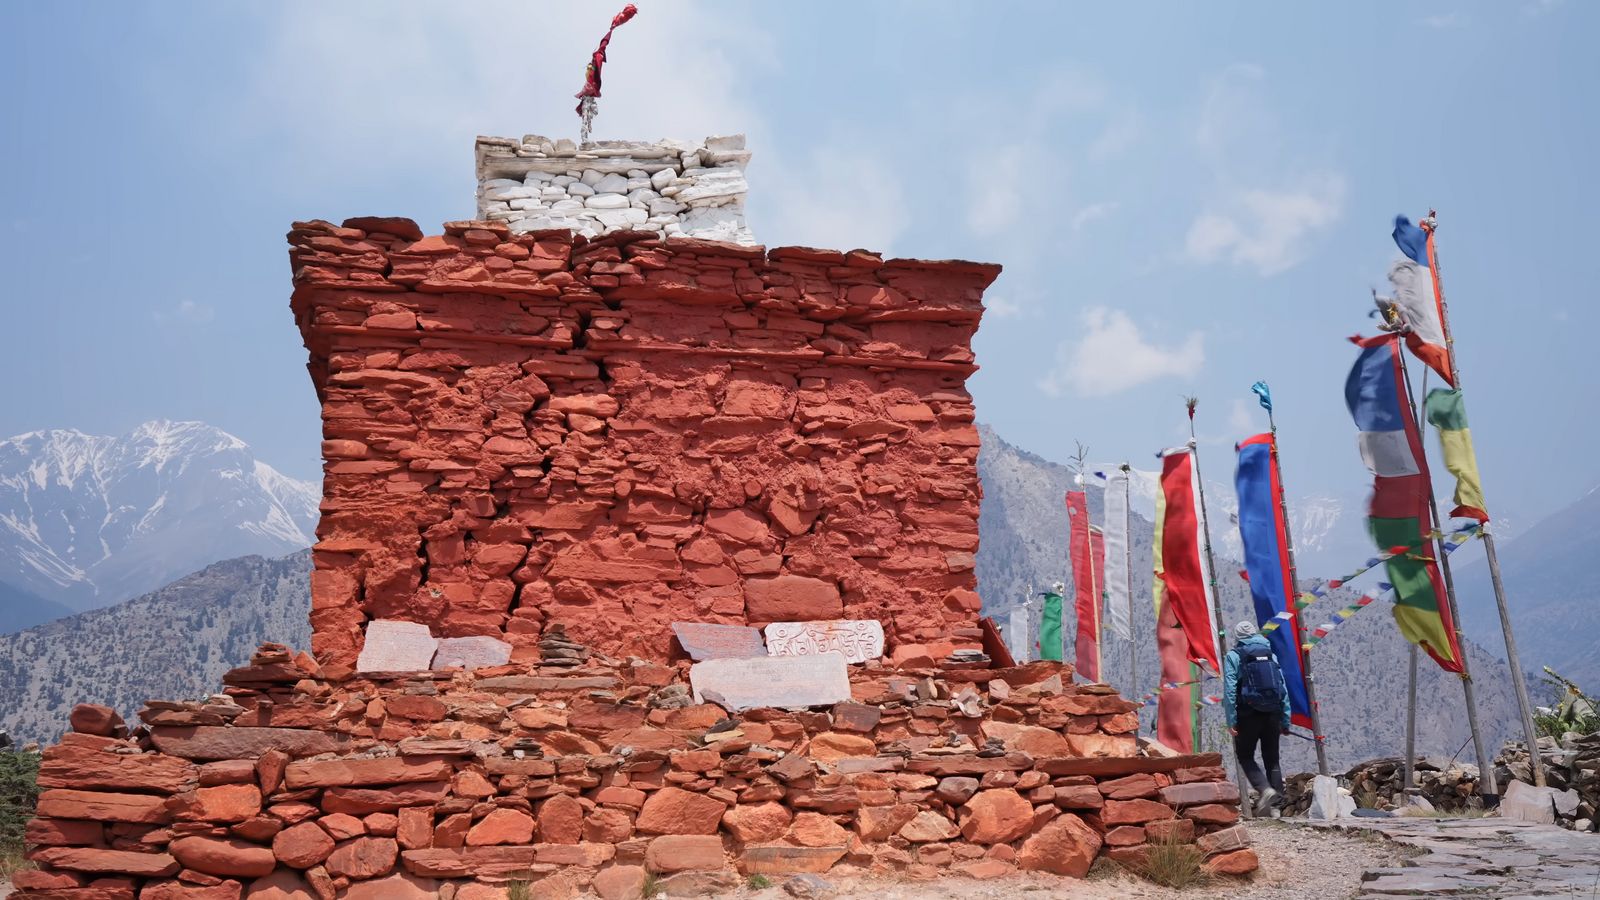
x,y
776,681
527,204
552,194
611,184
592,177
606,201
662,178
494,184
725,142
561,181
714,185
642,196
395,646
665,207
567,204
579,189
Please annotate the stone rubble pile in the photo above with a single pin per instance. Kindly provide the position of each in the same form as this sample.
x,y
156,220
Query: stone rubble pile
x,y
621,432
670,188
307,781
1379,784
1571,763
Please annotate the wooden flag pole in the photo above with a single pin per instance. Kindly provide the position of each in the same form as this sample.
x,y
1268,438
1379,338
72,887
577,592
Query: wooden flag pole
x,y
1530,734
1094,577
1211,571
1411,724
1486,780
1294,594
1127,562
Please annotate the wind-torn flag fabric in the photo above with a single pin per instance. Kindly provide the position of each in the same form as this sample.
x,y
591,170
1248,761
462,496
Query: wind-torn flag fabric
x,y
1415,281
1391,446
1175,718
1264,533
1183,579
1087,550
1448,413
1119,610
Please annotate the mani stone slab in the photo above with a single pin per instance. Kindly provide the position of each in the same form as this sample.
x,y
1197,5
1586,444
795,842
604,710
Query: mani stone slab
x,y
778,681
396,646
478,652
706,641
858,639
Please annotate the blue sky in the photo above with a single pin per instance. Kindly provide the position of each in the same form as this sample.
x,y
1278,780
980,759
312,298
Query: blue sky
x,y
1186,197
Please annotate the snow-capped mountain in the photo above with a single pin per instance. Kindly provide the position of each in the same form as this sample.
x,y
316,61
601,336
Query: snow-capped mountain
x,y
89,520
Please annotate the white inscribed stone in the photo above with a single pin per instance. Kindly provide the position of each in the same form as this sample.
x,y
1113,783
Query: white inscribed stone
x,y
776,681
471,653
395,646
606,201
611,184
857,639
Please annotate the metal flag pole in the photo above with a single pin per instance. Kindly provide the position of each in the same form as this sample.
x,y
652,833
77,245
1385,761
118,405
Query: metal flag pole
x,y
1127,562
1430,225
1294,593
1486,780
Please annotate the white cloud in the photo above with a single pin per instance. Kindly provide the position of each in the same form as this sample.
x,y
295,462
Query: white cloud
x,y
842,196
190,311
1443,21
1120,133
994,189
1113,355
371,94
1240,417
1267,229
1092,213
1002,306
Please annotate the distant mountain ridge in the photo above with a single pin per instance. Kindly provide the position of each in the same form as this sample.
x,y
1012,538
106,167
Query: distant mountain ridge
x,y
88,520
170,644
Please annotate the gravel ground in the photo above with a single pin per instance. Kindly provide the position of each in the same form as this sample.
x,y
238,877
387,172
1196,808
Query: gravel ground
x,y
1296,864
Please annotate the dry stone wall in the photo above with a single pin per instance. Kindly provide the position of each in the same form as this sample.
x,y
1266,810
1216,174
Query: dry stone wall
x,y
670,188
621,432
297,784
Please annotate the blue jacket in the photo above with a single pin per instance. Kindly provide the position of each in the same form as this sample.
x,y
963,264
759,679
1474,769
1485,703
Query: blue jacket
x,y
1230,680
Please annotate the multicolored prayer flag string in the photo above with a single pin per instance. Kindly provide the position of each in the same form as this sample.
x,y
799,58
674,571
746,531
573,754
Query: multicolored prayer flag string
x,y
1451,541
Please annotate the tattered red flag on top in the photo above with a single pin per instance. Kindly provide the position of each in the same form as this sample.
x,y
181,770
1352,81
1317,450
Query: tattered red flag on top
x,y
591,77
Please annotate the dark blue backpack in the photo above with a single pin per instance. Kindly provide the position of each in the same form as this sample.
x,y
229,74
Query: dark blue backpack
x,y
1260,682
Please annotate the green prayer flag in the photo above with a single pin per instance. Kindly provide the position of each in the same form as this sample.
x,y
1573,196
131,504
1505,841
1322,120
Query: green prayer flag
x,y
1050,628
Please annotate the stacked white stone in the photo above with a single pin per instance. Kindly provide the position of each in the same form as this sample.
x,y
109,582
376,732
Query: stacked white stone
x,y
668,187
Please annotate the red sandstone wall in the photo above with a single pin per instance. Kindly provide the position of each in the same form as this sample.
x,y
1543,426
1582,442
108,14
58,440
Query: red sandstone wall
x,y
620,433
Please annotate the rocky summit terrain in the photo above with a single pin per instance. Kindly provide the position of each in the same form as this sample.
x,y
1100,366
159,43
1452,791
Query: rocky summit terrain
x,y
89,520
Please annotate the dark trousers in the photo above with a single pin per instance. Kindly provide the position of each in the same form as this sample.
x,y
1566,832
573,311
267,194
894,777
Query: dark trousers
x,y
1259,728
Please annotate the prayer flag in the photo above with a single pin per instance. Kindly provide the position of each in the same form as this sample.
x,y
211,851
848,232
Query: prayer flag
x,y
1391,446
1050,627
1416,292
1175,719
1088,567
1183,579
1448,413
1119,597
1266,556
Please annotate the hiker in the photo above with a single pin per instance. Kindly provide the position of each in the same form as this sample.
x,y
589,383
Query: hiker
x,y
1257,703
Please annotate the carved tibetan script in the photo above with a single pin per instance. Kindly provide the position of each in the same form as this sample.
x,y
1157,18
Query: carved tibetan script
x,y
858,639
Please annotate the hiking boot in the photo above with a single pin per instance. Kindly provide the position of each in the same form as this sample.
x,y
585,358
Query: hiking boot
x,y
1268,799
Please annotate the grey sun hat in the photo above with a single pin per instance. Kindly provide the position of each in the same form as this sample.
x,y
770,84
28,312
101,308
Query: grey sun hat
x,y
1244,630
